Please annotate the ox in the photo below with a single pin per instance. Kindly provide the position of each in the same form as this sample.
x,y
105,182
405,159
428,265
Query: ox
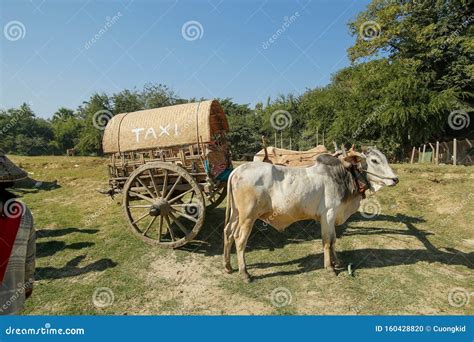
x,y
328,191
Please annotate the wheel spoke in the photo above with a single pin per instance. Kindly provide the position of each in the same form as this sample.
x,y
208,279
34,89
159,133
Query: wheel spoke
x,y
143,197
180,195
140,218
165,183
149,226
189,217
174,187
180,225
145,186
154,183
140,206
161,228
169,228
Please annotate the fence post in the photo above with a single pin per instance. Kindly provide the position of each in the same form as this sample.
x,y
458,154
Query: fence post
x,y
437,153
412,155
455,151
423,155
432,153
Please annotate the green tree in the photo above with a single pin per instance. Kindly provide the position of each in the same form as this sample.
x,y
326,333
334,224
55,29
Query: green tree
x,y
432,37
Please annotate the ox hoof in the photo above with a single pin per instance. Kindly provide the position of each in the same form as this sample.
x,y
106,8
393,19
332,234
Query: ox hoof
x,y
331,270
228,269
246,278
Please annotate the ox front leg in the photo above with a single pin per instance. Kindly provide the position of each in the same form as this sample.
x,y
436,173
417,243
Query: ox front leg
x,y
328,234
241,237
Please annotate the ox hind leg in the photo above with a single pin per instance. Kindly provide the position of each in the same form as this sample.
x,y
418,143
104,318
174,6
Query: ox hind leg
x,y
241,236
328,235
229,231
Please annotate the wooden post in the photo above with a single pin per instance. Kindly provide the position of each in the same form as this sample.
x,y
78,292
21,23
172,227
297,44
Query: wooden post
x,y
412,155
317,136
437,153
290,142
281,139
423,155
275,139
335,146
419,154
455,151
432,153
323,140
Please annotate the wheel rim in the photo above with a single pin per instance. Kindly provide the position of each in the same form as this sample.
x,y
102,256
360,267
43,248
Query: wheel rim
x,y
217,198
163,204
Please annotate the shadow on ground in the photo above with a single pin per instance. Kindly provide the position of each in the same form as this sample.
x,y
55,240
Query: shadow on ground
x,y
30,185
71,269
265,237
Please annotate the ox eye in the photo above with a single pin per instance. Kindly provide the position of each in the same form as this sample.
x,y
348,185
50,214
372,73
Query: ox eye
x,y
375,161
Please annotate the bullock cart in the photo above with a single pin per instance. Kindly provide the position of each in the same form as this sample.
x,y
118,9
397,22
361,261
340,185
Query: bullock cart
x,y
170,164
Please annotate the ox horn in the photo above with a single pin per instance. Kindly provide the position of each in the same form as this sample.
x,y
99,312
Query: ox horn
x,y
353,156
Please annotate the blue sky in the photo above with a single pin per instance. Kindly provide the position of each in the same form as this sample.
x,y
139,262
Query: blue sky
x,y
51,60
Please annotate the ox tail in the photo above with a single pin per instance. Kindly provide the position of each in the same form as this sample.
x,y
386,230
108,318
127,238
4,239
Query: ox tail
x,y
229,206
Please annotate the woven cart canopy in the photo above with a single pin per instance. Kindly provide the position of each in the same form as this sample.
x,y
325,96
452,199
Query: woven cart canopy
x,y
182,124
9,172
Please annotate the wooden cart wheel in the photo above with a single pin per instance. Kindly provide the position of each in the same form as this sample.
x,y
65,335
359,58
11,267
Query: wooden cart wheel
x,y
163,204
217,198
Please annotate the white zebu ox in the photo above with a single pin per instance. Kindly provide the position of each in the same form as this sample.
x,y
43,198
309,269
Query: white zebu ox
x,y
280,196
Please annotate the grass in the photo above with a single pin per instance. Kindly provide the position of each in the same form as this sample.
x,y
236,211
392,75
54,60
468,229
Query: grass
x,y
407,259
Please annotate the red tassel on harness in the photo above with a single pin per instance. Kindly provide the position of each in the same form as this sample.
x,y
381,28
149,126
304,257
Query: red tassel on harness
x,y
8,230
